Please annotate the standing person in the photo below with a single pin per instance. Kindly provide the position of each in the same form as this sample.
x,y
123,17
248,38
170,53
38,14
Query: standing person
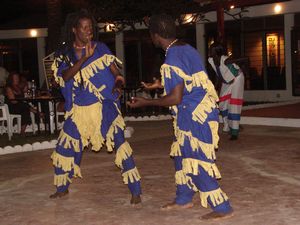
x,y
90,83
232,88
192,98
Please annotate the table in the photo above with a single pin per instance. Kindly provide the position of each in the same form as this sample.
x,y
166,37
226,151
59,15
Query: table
x,y
51,116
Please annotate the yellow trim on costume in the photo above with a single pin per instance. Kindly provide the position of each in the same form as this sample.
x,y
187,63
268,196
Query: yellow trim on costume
x,y
54,68
68,142
204,107
181,178
214,127
89,71
60,180
123,153
217,197
89,127
98,64
196,144
199,79
117,123
65,163
190,165
91,88
175,149
131,175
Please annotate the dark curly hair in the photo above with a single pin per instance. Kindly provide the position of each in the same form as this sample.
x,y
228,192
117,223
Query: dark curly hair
x,y
219,48
163,25
71,22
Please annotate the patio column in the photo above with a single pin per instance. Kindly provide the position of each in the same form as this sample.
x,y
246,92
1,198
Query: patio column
x,y
200,39
41,52
288,25
120,50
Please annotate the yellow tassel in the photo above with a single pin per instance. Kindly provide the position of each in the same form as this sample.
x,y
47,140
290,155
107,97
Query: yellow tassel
x,y
214,127
201,79
181,178
217,197
66,163
97,65
57,78
60,180
123,152
131,175
190,165
68,141
196,144
89,127
175,149
166,70
203,109
118,123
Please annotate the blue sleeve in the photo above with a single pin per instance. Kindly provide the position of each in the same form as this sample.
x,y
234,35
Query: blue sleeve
x,y
102,48
171,83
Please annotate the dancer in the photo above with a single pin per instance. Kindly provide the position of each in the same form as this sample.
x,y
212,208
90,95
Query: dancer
x,y
232,89
192,98
90,83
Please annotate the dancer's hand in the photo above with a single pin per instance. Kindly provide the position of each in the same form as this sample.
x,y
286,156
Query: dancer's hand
x,y
137,102
90,49
119,84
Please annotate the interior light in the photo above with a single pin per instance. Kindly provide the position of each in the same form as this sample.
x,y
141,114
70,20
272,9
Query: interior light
x,y
232,7
33,33
188,18
277,8
109,27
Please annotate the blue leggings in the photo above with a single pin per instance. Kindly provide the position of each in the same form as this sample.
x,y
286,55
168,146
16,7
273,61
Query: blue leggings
x,y
71,129
203,182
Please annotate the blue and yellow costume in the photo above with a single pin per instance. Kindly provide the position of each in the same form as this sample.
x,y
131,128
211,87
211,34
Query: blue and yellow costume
x,y
92,116
195,129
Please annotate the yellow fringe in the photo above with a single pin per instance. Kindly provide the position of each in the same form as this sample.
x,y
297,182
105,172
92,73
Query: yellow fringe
x,y
131,175
92,88
118,122
123,152
89,71
68,141
54,68
196,144
203,109
89,126
181,178
217,197
60,180
175,149
65,163
190,165
214,127
199,79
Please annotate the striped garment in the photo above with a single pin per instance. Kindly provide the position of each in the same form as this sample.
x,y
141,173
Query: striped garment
x,y
231,94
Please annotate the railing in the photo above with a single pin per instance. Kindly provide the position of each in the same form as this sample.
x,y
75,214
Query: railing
x,y
144,111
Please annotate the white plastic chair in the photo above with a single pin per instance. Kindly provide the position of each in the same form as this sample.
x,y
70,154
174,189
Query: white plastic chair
x,y
5,118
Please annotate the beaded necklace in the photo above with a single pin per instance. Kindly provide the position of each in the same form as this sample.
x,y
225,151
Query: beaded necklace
x,y
173,42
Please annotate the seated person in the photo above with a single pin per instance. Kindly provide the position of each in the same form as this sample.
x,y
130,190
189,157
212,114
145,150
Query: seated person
x,y
12,92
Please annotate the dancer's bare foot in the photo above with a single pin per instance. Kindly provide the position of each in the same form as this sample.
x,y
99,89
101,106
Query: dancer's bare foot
x,y
59,194
174,206
135,199
217,215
